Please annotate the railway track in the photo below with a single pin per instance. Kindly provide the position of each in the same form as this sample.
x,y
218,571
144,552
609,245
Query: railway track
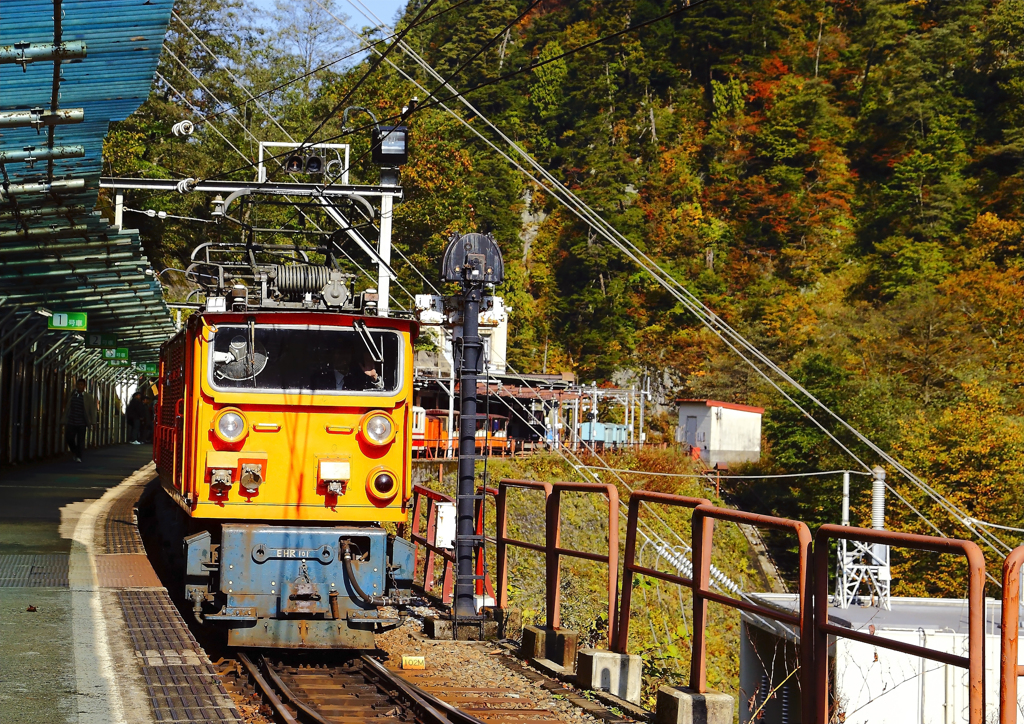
x,y
356,691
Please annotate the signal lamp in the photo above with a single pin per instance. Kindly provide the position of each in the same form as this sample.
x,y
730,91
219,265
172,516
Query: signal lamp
x,y
377,428
382,484
314,164
230,425
294,164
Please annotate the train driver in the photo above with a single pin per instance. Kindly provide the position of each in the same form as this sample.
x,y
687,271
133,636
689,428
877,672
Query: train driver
x,y
363,375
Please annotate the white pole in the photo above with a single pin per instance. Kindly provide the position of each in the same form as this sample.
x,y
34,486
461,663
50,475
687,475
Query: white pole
x,y
119,210
640,432
384,251
846,498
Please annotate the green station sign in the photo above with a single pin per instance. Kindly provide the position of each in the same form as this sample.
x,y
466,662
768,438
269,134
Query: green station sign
x,y
118,363
74,321
99,340
146,368
119,353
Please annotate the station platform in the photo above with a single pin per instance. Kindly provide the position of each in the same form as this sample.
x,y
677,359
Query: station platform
x,y
88,634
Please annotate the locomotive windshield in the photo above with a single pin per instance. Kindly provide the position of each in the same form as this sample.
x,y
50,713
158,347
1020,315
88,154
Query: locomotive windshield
x,y
330,360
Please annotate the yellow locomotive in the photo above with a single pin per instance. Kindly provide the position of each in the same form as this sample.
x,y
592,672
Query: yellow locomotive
x,y
283,442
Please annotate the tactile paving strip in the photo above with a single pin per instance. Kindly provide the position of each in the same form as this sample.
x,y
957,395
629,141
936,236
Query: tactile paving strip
x,y
34,571
181,682
121,529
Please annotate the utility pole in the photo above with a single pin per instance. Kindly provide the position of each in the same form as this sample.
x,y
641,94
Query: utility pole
x,y
471,261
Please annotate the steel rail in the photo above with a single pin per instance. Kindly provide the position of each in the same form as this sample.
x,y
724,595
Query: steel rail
x,y
289,694
267,689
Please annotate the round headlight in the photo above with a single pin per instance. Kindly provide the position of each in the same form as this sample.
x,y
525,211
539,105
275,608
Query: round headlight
x,y
378,429
230,426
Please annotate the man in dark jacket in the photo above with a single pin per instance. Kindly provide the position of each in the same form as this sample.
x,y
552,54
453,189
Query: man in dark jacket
x,y
134,414
79,414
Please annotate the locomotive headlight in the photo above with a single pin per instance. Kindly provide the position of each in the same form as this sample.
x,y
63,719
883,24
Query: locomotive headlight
x,y
377,428
381,484
230,425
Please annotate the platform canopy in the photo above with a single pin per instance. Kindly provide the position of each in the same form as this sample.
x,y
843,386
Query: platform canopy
x,y
67,69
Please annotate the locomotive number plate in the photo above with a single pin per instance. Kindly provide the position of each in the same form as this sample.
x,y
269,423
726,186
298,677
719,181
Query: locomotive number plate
x,y
262,552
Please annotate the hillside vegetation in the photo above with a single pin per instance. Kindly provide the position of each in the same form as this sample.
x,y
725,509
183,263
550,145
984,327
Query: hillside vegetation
x,y
840,181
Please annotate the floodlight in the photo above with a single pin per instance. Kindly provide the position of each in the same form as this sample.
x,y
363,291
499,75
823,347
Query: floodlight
x,y
390,145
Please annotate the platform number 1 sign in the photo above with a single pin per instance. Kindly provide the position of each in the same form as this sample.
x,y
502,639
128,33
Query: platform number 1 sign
x,y
75,321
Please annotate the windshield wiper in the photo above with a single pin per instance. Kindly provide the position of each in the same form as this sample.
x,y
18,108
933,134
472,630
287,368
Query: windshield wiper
x,y
375,353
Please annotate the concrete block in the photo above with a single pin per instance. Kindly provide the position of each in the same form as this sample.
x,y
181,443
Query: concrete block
x,y
618,674
558,645
679,705
510,622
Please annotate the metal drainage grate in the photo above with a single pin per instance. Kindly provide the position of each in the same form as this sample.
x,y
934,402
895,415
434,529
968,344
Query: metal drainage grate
x,y
38,571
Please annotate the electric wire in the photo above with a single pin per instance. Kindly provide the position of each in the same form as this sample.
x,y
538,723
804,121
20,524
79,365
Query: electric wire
x,y
730,477
460,94
316,70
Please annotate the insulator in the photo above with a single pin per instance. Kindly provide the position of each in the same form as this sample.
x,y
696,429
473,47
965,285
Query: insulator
x,y
183,128
186,185
299,278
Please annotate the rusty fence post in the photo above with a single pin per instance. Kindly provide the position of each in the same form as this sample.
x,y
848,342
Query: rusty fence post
x,y
702,532
1009,669
629,567
552,546
974,662
501,535
552,569
484,586
503,541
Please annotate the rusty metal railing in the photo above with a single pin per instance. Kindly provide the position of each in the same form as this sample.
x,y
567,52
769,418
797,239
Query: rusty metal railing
x,y
552,547
629,566
428,540
702,536
1009,669
974,662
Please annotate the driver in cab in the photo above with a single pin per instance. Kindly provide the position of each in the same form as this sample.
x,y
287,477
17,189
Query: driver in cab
x,y
361,375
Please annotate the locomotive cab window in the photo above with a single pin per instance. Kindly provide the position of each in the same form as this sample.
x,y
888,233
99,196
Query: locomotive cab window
x,y
328,360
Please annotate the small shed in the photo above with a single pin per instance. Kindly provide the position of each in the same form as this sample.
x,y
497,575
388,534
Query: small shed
x,y
723,432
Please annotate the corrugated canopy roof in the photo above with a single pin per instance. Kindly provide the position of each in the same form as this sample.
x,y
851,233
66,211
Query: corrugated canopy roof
x,y
56,251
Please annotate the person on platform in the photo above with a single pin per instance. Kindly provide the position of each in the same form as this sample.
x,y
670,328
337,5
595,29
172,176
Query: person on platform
x,y
135,413
79,414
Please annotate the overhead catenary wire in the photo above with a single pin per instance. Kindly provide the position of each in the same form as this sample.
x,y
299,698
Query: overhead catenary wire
x,y
338,247
459,95
291,81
